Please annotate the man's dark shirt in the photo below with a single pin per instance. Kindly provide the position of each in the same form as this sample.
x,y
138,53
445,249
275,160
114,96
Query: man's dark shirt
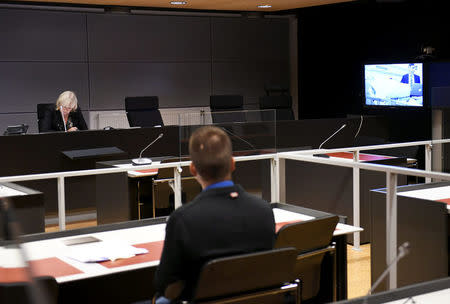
x,y
216,223
405,78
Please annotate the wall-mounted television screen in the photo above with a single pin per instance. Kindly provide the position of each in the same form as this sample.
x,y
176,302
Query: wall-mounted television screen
x,y
394,85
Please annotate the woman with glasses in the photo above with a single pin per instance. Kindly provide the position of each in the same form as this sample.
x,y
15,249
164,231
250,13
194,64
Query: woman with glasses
x,y
66,116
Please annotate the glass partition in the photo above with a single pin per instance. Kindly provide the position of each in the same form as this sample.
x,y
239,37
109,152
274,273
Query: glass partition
x,y
251,131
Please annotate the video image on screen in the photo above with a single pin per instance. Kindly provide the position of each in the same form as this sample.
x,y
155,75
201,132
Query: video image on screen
x,y
394,84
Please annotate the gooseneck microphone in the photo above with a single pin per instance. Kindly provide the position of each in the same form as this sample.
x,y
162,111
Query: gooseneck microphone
x,y
338,130
238,137
145,161
62,116
403,250
320,147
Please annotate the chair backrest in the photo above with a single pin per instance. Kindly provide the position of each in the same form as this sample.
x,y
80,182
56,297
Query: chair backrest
x,y
227,103
19,292
245,273
143,111
41,110
312,240
282,104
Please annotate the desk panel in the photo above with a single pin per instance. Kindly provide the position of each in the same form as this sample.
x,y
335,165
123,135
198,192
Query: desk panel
x,y
148,233
423,223
330,188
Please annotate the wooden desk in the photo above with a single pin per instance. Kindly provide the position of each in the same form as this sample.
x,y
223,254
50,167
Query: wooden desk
x,y
48,158
135,192
28,207
436,291
423,221
124,281
330,188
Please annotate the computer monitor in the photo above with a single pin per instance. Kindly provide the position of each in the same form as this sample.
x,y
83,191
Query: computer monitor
x,y
393,85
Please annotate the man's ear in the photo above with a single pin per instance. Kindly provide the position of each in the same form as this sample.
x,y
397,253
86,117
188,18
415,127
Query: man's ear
x,y
193,169
233,165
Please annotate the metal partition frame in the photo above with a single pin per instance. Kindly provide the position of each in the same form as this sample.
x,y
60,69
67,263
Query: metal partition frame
x,y
277,190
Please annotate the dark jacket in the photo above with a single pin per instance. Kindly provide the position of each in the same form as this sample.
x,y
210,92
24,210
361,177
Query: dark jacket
x,y
214,224
405,78
53,121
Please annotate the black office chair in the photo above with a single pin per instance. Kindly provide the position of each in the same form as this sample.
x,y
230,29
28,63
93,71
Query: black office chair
x,y
221,104
42,110
260,277
46,291
316,256
282,104
143,111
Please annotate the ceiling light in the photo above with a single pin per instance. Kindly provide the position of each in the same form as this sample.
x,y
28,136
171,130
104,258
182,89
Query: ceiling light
x,y
178,2
265,6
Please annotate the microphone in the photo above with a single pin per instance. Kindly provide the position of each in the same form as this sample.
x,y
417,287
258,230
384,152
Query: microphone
x,y
238,137
338,130
62,116
320,147
145,161
403,250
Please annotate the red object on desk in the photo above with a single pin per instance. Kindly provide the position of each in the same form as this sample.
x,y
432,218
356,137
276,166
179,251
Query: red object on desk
x,y
147,171
279,225
364,157
45,267
154,254
445,200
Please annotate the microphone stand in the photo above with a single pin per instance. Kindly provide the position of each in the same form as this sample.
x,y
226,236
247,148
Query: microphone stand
x,y
342,127
403,250
320,147
232,134
145,161
62,116
12,232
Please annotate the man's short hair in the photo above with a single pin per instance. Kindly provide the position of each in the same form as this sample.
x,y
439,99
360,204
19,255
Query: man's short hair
x,y
211,153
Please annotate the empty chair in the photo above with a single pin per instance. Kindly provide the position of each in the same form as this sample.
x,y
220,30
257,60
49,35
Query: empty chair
x,y
276,89
312,239
282,104
143,111
253,276
220,104
42,110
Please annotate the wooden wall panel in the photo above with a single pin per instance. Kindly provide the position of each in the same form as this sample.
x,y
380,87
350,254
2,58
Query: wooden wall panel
x,y
31,35
177,84
25,84
148,38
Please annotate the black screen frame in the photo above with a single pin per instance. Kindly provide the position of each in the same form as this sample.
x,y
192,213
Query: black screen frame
x,y
381,109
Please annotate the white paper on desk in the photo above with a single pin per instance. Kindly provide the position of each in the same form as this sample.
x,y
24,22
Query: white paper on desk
x,y
103,251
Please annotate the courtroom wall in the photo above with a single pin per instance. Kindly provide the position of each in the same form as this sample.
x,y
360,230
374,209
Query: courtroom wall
x,y
105,57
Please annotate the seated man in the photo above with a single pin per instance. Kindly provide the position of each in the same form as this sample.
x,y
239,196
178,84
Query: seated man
x,y
222,220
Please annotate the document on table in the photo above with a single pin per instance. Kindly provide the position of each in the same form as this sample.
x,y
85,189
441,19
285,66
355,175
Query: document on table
x,y
103,251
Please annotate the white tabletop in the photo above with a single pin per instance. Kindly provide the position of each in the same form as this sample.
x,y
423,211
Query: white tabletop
x,y
7,191
433,194
10,258
139,173
440,296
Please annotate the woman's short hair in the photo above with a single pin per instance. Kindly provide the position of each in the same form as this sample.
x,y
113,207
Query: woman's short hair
x,y
67,99
211,152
